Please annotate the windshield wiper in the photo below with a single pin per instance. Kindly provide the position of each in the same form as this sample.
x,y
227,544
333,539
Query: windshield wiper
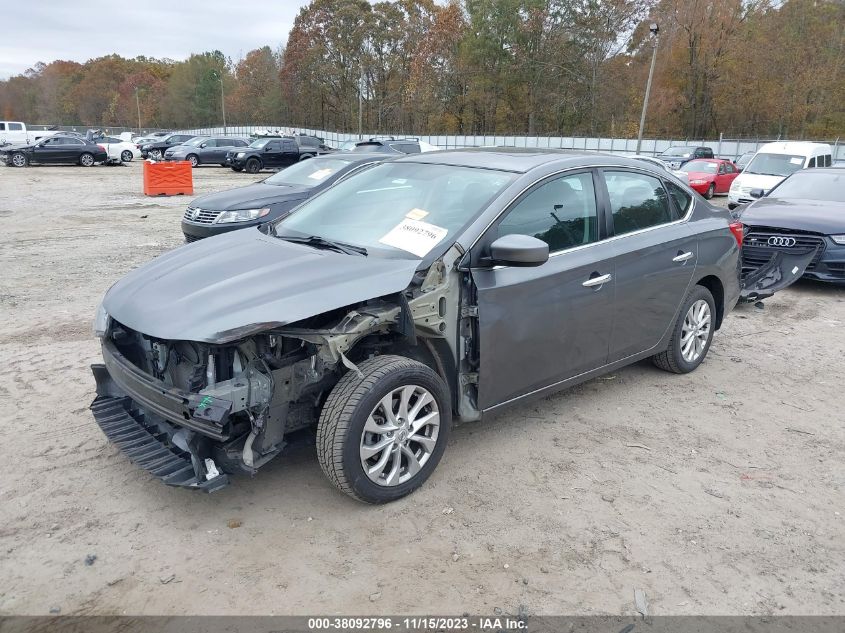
x,y
321,242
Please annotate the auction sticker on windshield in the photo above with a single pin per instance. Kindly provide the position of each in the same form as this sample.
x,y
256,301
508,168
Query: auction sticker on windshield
x,y
320,174
414,236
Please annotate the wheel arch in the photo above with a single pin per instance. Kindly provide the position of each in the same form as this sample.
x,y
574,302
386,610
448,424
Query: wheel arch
x,y
717,289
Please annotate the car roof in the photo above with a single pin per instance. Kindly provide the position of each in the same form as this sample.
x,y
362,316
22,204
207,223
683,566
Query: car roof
x,y
517,159
800,147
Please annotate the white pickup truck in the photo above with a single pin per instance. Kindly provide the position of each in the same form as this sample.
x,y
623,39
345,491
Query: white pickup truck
x,y
15,133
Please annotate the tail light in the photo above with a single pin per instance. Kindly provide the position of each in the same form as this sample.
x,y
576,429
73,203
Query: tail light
x,y
101,147
738,229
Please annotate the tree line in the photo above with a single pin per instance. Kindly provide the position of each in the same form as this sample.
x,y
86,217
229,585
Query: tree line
x,y
535,67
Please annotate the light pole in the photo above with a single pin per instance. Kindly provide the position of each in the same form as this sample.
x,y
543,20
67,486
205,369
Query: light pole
x,y
222,100
361,105
655,29
138,105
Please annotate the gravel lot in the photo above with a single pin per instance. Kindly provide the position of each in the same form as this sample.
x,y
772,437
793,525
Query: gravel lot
x,y
718,492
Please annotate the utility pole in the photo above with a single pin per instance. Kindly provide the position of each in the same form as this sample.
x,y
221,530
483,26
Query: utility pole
x,y
655,29
138,105
361,106
223,104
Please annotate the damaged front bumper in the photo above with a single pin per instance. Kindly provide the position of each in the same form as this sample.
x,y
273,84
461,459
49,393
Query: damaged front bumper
x,y
166,431
780,271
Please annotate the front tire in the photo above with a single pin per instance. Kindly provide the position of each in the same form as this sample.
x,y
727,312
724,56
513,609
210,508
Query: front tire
x,y
692,334
19,159
192,158
382,433
86,159
126,156
711,190
253,166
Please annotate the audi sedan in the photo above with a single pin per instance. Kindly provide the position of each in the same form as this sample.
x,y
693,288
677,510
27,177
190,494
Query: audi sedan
x,y
422,291
803,215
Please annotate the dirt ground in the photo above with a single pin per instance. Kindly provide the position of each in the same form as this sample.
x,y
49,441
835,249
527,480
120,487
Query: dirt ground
x,y
718,492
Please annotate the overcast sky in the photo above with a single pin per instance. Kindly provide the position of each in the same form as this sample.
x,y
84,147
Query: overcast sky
x,y
45,30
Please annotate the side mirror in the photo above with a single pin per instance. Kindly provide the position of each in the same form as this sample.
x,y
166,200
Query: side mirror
x,y
203,145
757,193
518,250
268,148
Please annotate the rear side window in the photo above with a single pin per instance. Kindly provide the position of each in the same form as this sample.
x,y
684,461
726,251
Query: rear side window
x,y
288,146
682,199
637,201
307,141
15,127
561,212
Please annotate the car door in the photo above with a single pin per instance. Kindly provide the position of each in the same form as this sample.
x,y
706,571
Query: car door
x,y
47,151
289,152
221,146
656,253
541,325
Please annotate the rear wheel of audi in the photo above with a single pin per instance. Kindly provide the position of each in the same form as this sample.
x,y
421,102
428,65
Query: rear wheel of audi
x,y
192,158
253,166
19,159
126,156
383,431
86,159
692,334
710,191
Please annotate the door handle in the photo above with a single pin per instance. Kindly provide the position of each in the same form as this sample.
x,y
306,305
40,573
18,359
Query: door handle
x,y
682,257
597,281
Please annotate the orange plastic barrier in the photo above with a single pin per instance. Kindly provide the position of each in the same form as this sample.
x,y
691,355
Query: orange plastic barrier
x,y
168,178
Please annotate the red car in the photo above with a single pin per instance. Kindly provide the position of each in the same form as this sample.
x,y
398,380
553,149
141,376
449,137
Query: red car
x,y
709,176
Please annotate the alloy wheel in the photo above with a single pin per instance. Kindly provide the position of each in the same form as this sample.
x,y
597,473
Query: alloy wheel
x,y
19,160
126,156
400,435
87,160
695,331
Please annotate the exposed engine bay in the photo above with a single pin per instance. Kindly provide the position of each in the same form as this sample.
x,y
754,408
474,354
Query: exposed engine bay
x,y
229,407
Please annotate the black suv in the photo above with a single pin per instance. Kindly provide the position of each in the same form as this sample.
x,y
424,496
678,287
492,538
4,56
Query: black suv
x,y
389,145
677,157
275,153
156,150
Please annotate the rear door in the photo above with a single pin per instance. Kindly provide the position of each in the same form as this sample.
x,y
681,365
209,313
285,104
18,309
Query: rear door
x,y
542,325
656,253
289,152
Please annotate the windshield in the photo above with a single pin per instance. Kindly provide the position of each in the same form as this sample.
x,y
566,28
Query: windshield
x,y
398,209
775,164
701,166
684,152
196,142
308,173
812,185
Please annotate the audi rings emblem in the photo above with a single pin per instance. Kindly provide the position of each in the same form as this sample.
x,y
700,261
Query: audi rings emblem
x,y
777,240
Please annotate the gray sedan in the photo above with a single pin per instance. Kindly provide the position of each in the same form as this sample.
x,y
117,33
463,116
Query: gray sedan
x,y
205,150
431,288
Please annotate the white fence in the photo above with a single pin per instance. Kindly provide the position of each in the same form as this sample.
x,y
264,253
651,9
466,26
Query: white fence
x,y
727,148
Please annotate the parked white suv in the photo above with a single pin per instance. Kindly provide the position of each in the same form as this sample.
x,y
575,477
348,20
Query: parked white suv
x,y
772,163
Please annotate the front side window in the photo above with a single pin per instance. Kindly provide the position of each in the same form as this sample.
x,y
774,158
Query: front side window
x,y
562,212
401,210
637,201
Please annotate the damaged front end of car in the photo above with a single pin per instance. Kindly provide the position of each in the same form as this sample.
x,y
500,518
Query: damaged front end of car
x,y
192,413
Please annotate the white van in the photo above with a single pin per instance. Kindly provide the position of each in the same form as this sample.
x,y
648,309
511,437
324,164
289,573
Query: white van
x,y
772,163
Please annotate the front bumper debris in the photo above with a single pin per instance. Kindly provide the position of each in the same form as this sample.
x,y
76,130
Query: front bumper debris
x,y
123,424
782,270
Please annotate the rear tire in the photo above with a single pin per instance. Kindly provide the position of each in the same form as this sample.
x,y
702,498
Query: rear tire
x,y
126,156
253,166
711,190
370,452
86,159
692,334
